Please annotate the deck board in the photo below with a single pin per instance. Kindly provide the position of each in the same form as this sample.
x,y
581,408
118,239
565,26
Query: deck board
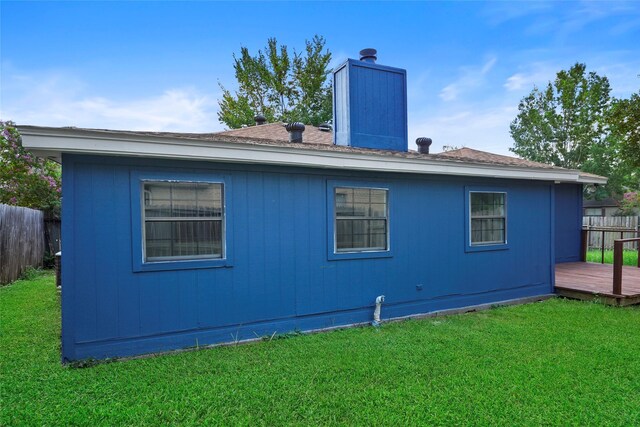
x,y
574,279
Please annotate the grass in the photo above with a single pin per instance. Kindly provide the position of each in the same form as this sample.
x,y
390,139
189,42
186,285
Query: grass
x,y
558,362
629,257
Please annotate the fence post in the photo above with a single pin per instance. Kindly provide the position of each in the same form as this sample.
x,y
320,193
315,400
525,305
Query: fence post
x,y
584,245
617,267
58,269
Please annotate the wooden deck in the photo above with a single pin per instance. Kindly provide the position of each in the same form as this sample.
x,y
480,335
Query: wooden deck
x,y
588,281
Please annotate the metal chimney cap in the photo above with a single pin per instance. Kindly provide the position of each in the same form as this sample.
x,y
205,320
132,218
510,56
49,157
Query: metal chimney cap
x,y
260,119
368,55
424,141
294,127
324,127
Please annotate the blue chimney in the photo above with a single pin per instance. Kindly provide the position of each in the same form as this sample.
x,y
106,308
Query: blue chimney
x,y
370,104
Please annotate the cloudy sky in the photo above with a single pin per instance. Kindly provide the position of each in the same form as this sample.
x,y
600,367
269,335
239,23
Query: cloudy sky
x,y
156,66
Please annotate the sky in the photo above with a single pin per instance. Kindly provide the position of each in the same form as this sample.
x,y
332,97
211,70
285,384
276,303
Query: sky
x,y
158,65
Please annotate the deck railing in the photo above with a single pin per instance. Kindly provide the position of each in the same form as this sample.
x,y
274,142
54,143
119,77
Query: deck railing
x,y
618,246
603,231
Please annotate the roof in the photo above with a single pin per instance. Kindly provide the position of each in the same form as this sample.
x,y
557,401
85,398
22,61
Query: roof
x,y
471,155
589,203
277,132
271,146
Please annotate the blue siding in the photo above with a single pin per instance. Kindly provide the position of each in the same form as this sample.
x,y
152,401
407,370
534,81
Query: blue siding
x,y
370,106
281,277
568,222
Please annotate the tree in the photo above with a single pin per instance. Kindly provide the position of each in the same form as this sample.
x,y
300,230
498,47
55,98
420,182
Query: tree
x,y
280,86
26,180
558,125
569,124
625,126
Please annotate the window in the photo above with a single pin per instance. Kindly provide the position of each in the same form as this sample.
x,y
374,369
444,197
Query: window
x,y
182,220
487,218
361,216
593,212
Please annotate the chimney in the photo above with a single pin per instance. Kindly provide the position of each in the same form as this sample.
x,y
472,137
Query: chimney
x,y
260,119
423,145
370,104
295,130
368,55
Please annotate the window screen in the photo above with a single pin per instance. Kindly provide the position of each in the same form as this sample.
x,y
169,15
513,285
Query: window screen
x,y
361,216
488,218
183,220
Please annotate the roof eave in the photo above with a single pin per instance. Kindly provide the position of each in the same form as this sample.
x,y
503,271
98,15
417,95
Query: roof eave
x,y
52,142
592,179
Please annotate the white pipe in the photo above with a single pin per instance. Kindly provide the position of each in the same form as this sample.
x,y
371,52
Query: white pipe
x,y
376,312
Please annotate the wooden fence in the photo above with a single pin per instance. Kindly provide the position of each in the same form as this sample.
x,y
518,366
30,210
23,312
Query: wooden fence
x,y
21,241
611,228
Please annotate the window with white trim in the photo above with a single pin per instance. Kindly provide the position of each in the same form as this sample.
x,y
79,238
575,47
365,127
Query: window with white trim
x,y
488,213
182,220
361,219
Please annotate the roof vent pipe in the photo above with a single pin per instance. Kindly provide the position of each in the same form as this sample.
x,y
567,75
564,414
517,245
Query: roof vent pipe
x,y
368,55
324,127
295,130
260,119
423,145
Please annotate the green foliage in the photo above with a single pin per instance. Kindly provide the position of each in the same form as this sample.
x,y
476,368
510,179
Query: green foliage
x,y
31,273
48,260
574,123
26,180
625,126
558,125
630,203
558,362
282,87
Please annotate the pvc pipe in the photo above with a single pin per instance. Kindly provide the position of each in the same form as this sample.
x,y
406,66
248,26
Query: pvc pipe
x,y
376,312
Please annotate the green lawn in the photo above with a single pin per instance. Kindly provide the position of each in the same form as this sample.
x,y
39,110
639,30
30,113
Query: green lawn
x,y
557,362
629,257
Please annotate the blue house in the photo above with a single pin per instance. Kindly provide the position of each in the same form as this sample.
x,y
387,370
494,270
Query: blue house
x,y
179,240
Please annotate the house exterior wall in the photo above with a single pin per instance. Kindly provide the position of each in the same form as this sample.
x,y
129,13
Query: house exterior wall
x,y
568,222
279,274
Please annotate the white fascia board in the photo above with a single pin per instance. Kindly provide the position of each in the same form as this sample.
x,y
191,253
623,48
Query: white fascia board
x,y
50,142
591,180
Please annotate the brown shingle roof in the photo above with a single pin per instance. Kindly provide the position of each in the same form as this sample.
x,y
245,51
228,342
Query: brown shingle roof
x,y
312,135
471,155
274,134
277,132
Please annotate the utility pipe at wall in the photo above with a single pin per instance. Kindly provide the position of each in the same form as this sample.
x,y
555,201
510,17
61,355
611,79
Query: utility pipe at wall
x,y
376,312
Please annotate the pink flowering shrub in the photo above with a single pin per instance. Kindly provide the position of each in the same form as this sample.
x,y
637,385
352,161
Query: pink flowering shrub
x,y
26,180
630,203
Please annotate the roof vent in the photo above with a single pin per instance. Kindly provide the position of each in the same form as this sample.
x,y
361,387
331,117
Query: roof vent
x,y
324,127
368,55
423,145
260,119
295,130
